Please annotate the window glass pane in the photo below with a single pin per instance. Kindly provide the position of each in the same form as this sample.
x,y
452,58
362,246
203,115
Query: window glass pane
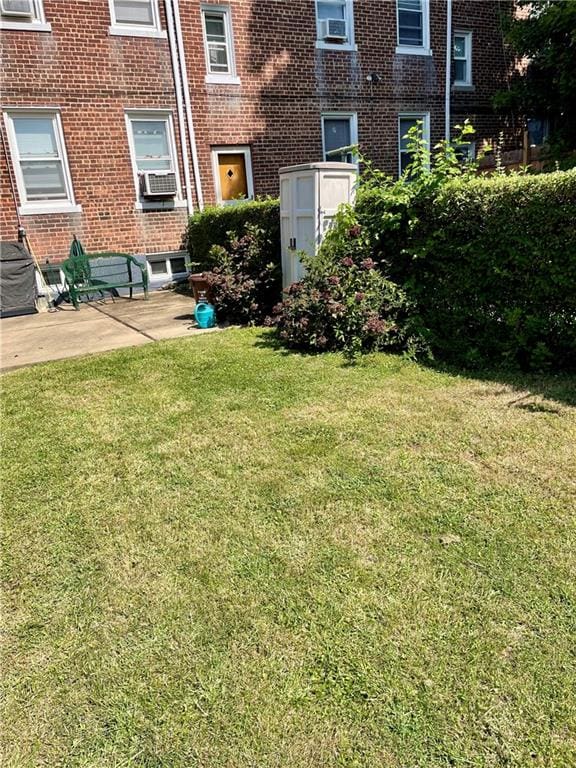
x,y
178,264
405,124
215,27
405,158
35,136
459,47
410,5
331,10
14,7
134,12
460,71
151,144
218,57
158,267
336,134
410,28
44,180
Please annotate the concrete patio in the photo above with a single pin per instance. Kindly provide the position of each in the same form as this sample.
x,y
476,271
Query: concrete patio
x,y
96,327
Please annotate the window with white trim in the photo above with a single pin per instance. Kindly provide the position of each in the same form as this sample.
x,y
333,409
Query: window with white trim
x,y
335,24
405,123
339,135
232,167
40,163
167,266
23,15
413,24
218,44
152,148
462,58
138,18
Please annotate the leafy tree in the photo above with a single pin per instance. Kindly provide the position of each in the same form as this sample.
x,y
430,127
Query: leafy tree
x,y
543,37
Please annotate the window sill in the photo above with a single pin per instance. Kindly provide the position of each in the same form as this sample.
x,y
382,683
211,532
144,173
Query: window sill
x,y
159,205
323,46
222,80
463,87
409,50
39,209
26,26
159,34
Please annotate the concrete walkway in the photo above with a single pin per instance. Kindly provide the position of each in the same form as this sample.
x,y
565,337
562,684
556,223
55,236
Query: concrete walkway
x,y
95,327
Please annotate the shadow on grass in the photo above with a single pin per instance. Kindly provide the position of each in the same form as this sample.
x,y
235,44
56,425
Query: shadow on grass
x,y
558,387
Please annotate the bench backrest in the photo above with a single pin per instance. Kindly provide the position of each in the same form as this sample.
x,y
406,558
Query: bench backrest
x,y
78,264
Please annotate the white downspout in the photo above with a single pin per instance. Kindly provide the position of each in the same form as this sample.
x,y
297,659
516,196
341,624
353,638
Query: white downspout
x,y
187,105
179,106
448,68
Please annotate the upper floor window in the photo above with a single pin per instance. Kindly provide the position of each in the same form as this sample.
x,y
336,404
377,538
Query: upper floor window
x,y
339,135
462,58
40,162
218,45
413,23
139,18
335,24
23,15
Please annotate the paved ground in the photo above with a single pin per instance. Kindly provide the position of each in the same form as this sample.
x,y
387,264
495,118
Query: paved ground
x,y
94,328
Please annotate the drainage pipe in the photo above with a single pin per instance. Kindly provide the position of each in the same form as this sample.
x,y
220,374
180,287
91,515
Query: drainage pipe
x,y
448,68
187,103
179,105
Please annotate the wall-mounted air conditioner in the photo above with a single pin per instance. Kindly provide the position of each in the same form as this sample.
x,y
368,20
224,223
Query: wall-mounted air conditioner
x,y
333,29
17,8
158,184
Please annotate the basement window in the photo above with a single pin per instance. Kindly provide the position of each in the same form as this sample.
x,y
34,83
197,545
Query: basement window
x,y
23,15
167,266
136,18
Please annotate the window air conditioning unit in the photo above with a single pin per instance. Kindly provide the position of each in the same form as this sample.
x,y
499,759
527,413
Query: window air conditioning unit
x,y
333,29
158,184
17,8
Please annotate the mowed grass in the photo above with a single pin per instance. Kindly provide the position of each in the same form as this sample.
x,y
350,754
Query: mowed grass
x,y
217,555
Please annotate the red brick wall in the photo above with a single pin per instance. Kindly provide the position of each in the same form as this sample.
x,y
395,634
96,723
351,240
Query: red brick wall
x,y
286,84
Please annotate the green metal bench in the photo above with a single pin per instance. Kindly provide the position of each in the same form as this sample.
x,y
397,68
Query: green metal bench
x,y
81,280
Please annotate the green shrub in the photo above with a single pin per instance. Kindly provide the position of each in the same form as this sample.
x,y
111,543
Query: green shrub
x,y
343,302
244,286
213,226
493,270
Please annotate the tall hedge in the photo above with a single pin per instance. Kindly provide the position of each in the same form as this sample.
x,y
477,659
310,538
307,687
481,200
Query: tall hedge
x,y
493,270
212,225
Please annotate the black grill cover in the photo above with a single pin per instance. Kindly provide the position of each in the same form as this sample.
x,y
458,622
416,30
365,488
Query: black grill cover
x,y
17,280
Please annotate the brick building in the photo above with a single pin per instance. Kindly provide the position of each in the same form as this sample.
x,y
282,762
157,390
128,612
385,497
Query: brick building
x,y
214,98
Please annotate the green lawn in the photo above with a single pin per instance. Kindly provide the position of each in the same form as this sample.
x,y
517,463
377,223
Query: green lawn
x,y
217,555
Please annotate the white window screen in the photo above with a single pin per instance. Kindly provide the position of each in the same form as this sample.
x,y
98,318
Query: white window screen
x,y
151,145
135,12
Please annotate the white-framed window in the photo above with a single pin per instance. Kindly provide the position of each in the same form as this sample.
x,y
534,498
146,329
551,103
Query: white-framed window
x,y
137,18
413,25
167,266
232,167
339,134
23,15
466,152
152,146
405,122
462,58
40,162
219,45
335,24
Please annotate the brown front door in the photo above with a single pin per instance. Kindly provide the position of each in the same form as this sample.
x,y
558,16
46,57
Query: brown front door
x,y
233,178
